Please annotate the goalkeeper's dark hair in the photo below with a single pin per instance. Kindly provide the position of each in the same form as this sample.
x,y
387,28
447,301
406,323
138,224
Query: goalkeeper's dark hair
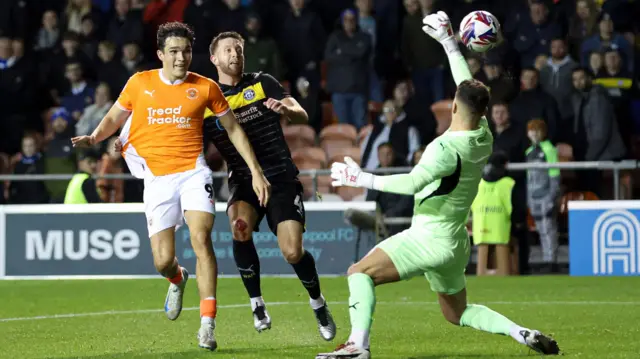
x,y
174,29
475,95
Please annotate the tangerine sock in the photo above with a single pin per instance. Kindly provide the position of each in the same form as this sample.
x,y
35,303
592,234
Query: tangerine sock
x,y
176,279
208,309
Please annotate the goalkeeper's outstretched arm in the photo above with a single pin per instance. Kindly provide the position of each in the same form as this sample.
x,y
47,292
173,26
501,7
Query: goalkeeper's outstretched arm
x,y
436,163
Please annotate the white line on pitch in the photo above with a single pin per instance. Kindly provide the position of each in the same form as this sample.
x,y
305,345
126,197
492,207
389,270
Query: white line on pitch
x,y
226,306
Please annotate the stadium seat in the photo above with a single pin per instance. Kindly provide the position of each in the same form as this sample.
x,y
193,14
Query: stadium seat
x,y
442,111
339,131
348,193
310,153
565,152
298,136
306,163
363,133
360,198
337,154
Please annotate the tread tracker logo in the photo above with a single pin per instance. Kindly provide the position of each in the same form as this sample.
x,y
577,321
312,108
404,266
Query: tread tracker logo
x,y
616,238
168,116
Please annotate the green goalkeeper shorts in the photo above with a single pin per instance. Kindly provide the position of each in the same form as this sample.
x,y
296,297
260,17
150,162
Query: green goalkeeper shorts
x,y
442,261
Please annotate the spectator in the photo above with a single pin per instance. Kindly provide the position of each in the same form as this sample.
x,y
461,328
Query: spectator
x,y
417,155
82,188
75,11
110,70
419,117
595,134
58,157
533,102
29,162
231,17
619,84
596,61
49,34
302,41
132,57
18,85
111,190
394,128
89,38
308,99
80,94
509,137
502,87
367,22
391,204
260,51
200,15
606,37
534,34
126,24
422,55
94,113
555,77
582,25
543,191
55,71
348,70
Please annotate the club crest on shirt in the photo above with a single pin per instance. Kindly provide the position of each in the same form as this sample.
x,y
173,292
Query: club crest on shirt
x,y
249,94
192,93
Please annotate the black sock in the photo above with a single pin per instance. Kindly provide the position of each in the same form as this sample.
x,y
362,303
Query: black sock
x,y
308,275
248,263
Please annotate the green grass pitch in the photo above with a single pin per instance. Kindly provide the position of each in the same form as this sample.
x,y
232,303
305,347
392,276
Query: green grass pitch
x,y
590,318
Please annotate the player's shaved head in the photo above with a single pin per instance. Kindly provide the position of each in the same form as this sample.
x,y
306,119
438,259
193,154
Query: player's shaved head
x,y
474,96
174,29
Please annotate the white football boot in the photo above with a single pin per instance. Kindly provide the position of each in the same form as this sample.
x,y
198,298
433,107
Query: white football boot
x,y
206,338
173,301
347,350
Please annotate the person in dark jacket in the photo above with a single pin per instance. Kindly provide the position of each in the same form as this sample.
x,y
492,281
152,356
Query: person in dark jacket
x,y
348,55
533,102
595,135
555,77
30,162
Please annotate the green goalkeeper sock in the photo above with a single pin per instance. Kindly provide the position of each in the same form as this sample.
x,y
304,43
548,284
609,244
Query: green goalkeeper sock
x,y
482,318
362,303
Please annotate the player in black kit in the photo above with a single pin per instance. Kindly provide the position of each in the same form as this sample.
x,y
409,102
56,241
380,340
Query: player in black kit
x,y
258,101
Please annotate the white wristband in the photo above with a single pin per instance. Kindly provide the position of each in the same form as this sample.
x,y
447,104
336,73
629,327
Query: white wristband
x,y
450,45
366,180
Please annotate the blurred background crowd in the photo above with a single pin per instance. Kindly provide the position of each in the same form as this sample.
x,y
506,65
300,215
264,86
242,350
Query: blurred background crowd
x,y
375,86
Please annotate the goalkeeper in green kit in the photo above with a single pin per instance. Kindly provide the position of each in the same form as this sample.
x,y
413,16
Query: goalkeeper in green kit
x,y
444,184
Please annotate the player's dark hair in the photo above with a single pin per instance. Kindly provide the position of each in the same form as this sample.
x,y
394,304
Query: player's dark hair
x,y
530,68
475,95
174,29
224,35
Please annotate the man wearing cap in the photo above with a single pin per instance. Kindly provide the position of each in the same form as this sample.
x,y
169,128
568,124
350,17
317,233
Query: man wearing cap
x,y
82,188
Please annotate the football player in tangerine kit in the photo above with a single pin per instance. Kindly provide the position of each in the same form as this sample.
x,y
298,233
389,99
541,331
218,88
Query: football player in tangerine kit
x,y
163,143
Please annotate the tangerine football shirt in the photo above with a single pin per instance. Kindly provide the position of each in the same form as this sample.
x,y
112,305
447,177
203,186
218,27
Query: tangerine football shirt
x,y
165,126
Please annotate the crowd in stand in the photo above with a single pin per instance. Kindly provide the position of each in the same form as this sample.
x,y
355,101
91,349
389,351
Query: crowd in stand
x,y
374,85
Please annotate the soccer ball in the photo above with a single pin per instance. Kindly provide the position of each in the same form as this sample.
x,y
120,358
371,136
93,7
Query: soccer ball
x,y
480,31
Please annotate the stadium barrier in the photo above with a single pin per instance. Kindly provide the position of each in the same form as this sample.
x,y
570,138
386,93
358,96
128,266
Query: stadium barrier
x,y
110,241
615,167
604,238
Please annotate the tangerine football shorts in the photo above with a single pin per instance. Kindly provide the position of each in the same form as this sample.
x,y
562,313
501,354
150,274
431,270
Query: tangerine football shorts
x,y
442,261
167,197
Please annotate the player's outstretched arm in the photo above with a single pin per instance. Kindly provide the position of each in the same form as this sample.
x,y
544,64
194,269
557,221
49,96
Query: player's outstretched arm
x,y
435,163
438,27
107,127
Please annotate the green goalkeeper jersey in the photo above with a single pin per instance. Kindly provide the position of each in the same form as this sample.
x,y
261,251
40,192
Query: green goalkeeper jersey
x,y
445,181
